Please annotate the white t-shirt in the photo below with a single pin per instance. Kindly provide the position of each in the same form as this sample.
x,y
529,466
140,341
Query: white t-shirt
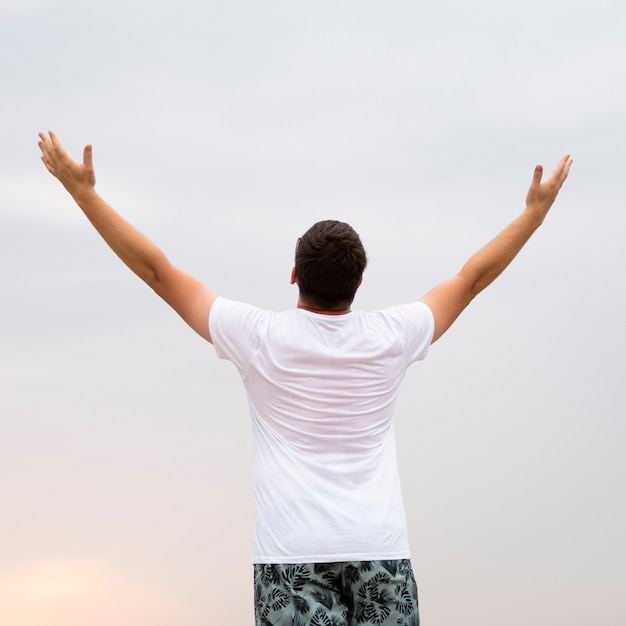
x,y
322,391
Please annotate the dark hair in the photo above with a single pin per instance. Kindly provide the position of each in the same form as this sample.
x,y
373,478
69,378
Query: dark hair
x,y
330,260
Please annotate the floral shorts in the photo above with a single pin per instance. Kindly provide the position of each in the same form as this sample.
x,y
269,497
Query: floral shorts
x,y
354,593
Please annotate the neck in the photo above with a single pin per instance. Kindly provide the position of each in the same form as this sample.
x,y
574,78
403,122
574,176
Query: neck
x,y
339,310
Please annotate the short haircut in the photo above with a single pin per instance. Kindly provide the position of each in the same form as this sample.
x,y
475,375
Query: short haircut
x,y
330,260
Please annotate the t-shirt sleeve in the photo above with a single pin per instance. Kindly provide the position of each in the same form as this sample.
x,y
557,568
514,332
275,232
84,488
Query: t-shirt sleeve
x,y
236,329
417,324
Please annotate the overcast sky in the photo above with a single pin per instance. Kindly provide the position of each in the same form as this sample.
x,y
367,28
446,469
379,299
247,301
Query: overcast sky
x,y
223,130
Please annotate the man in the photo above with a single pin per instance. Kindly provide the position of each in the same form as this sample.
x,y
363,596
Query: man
x,y
322,380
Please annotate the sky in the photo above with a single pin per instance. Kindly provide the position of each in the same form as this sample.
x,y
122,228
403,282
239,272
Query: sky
x,y
223,130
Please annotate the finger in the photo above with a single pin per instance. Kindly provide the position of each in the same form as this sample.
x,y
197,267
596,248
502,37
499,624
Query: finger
x,y
88,157
44,149
44,143
568,165
48,166
57,146
48,150
47,146
561,166
538,173
562,169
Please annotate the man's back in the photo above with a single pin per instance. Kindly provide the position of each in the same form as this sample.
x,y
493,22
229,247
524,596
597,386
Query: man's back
x,y
322,390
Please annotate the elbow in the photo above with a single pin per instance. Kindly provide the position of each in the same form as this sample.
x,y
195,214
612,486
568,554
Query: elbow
x,y
154,280
470,285
152,276
159,277
475,289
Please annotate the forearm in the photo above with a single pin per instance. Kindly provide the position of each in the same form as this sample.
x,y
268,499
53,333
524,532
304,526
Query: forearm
x,y
448,299
140,254
493,258
79,179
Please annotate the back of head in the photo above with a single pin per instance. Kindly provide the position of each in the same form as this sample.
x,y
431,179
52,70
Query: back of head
x,y
330,260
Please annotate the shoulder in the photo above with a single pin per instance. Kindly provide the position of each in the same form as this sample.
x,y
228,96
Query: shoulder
x,y
232,312
412,323
231,317
412,315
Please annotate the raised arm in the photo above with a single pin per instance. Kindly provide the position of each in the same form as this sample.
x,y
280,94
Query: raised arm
x,y
185,294
448,299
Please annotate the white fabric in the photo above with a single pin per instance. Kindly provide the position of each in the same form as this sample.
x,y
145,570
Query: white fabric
x,y
322,391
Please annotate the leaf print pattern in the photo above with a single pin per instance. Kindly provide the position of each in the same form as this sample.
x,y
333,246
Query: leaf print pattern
x,y
390,566
294,576
279,599
324,597
297,620
352,573
357,593
301,604
374,601
320,618
404,600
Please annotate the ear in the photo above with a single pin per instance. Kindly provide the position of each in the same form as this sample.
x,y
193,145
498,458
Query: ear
x,y
360,281
294,276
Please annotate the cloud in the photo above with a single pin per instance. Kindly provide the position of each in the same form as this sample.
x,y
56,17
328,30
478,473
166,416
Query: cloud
x,y
21,7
